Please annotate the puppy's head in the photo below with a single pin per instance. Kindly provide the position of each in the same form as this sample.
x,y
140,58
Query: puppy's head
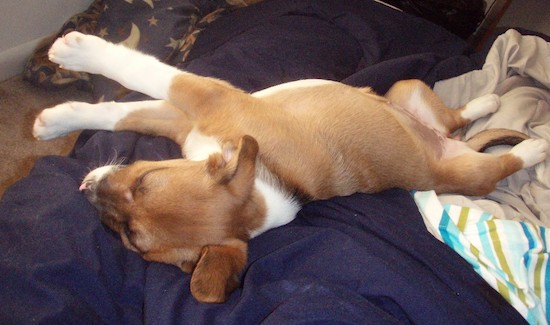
x,y
196,215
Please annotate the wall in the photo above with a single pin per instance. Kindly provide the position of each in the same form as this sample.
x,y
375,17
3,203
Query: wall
x,y
530,14
24,23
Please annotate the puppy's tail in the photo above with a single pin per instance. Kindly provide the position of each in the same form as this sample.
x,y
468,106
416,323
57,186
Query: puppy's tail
x,y
495,137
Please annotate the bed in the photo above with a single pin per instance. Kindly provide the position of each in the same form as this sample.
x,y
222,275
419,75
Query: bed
x,y
392,257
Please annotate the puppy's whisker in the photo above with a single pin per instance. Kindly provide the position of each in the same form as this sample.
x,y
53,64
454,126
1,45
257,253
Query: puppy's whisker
x,y
114,161
117,161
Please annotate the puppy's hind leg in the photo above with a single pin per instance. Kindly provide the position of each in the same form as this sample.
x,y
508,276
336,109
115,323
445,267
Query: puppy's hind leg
x,y
131,68
475,173
420,100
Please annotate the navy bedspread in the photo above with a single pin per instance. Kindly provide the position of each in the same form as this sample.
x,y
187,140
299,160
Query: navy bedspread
x,y
354,260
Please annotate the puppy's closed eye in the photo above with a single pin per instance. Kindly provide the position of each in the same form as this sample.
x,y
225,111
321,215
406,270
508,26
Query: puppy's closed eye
x,y
139,187
139,190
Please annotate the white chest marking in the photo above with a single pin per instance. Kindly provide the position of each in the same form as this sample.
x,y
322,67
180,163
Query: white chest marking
x,y
198,146
281,207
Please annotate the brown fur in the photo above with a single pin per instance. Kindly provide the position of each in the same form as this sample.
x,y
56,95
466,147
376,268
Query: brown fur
x,y
317,142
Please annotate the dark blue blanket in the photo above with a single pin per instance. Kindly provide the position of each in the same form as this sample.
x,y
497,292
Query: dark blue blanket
x,y
354,260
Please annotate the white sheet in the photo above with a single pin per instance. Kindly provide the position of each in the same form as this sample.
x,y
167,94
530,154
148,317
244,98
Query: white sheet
x,y
518,69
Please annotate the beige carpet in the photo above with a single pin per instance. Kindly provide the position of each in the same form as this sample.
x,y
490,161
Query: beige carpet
x,y
19,103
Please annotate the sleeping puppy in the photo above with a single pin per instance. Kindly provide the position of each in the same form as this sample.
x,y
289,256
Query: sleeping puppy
x,y
251,160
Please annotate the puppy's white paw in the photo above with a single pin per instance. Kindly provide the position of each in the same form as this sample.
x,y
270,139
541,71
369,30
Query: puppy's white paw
x,y
78,52
53,122
481,106
531,151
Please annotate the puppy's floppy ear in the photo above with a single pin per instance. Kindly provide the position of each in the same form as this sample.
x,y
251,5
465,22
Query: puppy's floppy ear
x,y
216,274
234,162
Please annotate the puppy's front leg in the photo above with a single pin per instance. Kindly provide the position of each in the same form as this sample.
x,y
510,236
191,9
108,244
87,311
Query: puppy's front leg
x,y
144,73
72,116
133,69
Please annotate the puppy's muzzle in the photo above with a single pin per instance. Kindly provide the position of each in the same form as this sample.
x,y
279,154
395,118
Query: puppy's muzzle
x,y
91,182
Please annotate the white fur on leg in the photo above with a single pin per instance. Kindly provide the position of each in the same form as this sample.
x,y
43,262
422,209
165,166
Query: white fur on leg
x,y
131,68
531,151
72,116
481,106
418,107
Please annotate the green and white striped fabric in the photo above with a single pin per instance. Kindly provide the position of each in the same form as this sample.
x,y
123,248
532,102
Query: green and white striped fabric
x,y
511,256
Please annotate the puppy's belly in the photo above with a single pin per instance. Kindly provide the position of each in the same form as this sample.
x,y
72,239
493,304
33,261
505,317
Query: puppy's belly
x,y
292,85
431,137
442,146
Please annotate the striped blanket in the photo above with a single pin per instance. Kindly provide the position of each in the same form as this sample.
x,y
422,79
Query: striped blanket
x,y
512,256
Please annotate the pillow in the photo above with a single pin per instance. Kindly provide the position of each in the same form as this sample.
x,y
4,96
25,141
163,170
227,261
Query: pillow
x,y
166,29
40,71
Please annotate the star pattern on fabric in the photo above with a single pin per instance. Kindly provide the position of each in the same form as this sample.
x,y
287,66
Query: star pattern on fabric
x,y
153,21
174,43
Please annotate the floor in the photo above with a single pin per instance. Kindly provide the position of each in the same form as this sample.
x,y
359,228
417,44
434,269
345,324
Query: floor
x,y
19,104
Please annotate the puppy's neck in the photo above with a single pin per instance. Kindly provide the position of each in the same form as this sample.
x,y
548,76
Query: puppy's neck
x,y
280,205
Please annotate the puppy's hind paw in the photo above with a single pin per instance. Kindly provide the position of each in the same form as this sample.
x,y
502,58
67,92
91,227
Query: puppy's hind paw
x,y
481,106
531,151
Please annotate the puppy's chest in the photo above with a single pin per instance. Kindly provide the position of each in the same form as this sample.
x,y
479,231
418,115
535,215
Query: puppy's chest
x,y
198,146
